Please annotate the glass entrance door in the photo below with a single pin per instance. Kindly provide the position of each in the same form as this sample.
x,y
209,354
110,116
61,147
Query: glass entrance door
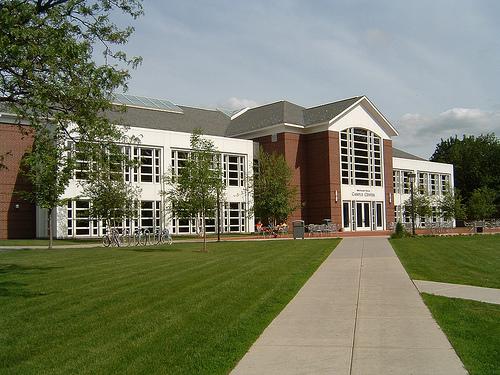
x,y
363,216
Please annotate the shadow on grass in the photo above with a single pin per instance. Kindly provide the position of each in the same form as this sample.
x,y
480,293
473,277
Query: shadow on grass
x,y
17,268
14,288
156,248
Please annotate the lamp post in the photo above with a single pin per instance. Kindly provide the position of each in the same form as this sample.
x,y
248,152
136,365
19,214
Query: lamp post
x,y
412,176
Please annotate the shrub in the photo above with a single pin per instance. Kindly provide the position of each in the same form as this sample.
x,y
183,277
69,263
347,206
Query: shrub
x,y
400,231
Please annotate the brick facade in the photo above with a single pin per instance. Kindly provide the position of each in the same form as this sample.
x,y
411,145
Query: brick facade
x,y
315,160
389,185
17,216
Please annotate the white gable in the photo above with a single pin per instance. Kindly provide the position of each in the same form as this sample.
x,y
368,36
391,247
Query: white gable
x,y
363,115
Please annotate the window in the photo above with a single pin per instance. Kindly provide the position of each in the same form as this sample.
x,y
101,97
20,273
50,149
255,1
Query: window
x,y
234,217
151,214
345,215
126,169
406,182
81,164
179,159
149,169
147,214
423,180
361,157
433,184
401,182
379,217
79,223
234,170
445,183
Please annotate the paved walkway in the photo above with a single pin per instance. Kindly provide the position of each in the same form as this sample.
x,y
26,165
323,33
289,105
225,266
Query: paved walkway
x,y
488,295
358,314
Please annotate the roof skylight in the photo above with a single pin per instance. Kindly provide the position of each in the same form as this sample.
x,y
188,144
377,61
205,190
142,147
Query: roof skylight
x,y
144,102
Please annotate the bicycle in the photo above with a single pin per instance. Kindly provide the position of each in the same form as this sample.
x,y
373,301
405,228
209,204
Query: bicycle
x,y
141,237
125,238
111,238
165,237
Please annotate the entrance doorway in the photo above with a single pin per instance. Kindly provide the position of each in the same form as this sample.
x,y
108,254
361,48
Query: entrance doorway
x,y
362,216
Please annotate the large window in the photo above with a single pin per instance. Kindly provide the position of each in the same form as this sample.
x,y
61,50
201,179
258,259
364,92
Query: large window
x,y
233,167
149,169
361,157
179,159
79,222
401,182
234,170
234,220
433,183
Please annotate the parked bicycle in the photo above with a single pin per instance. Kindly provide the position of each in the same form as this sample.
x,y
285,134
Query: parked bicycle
x,y
165,237
125,238
111,238
141,237
161,236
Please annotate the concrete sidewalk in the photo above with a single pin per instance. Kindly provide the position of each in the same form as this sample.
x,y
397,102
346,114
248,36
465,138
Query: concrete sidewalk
x,y
358,314
488,295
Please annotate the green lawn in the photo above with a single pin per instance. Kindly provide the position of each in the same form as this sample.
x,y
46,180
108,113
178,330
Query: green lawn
x,y
80,241
157,309
45,242
472,327
469,260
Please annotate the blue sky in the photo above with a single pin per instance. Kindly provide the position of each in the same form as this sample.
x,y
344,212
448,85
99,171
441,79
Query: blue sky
x,y
431,67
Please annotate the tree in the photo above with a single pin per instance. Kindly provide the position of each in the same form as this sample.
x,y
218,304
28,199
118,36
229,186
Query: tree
x,y
476,161
196,189
421,202
112,198
49,175
49,79
450,205
481,204
2,158
274,196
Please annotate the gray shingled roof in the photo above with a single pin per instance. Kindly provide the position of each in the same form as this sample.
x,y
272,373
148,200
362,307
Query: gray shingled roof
x,y
212,122
326,112
265,116
217,122
396,153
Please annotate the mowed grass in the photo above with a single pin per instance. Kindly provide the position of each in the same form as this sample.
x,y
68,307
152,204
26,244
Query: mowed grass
x,y
472,327
151,310
45,242
468,260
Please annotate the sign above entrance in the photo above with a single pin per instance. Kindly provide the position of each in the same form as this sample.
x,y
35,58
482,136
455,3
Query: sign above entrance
x,y
365,193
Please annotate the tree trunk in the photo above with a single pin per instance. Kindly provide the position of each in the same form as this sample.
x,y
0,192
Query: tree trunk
x,y
50,228
204,231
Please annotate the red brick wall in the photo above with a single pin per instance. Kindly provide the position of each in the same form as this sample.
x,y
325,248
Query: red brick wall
x,y
335,180
315,159
290,145
318,181
14,222
389,184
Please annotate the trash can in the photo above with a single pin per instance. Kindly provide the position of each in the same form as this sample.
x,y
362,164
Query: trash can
x,y
299,229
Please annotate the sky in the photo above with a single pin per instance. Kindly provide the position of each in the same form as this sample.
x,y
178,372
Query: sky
x,y
430,67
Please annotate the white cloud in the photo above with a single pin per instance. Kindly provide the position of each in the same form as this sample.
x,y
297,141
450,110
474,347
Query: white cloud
x,y
235,103
420,134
